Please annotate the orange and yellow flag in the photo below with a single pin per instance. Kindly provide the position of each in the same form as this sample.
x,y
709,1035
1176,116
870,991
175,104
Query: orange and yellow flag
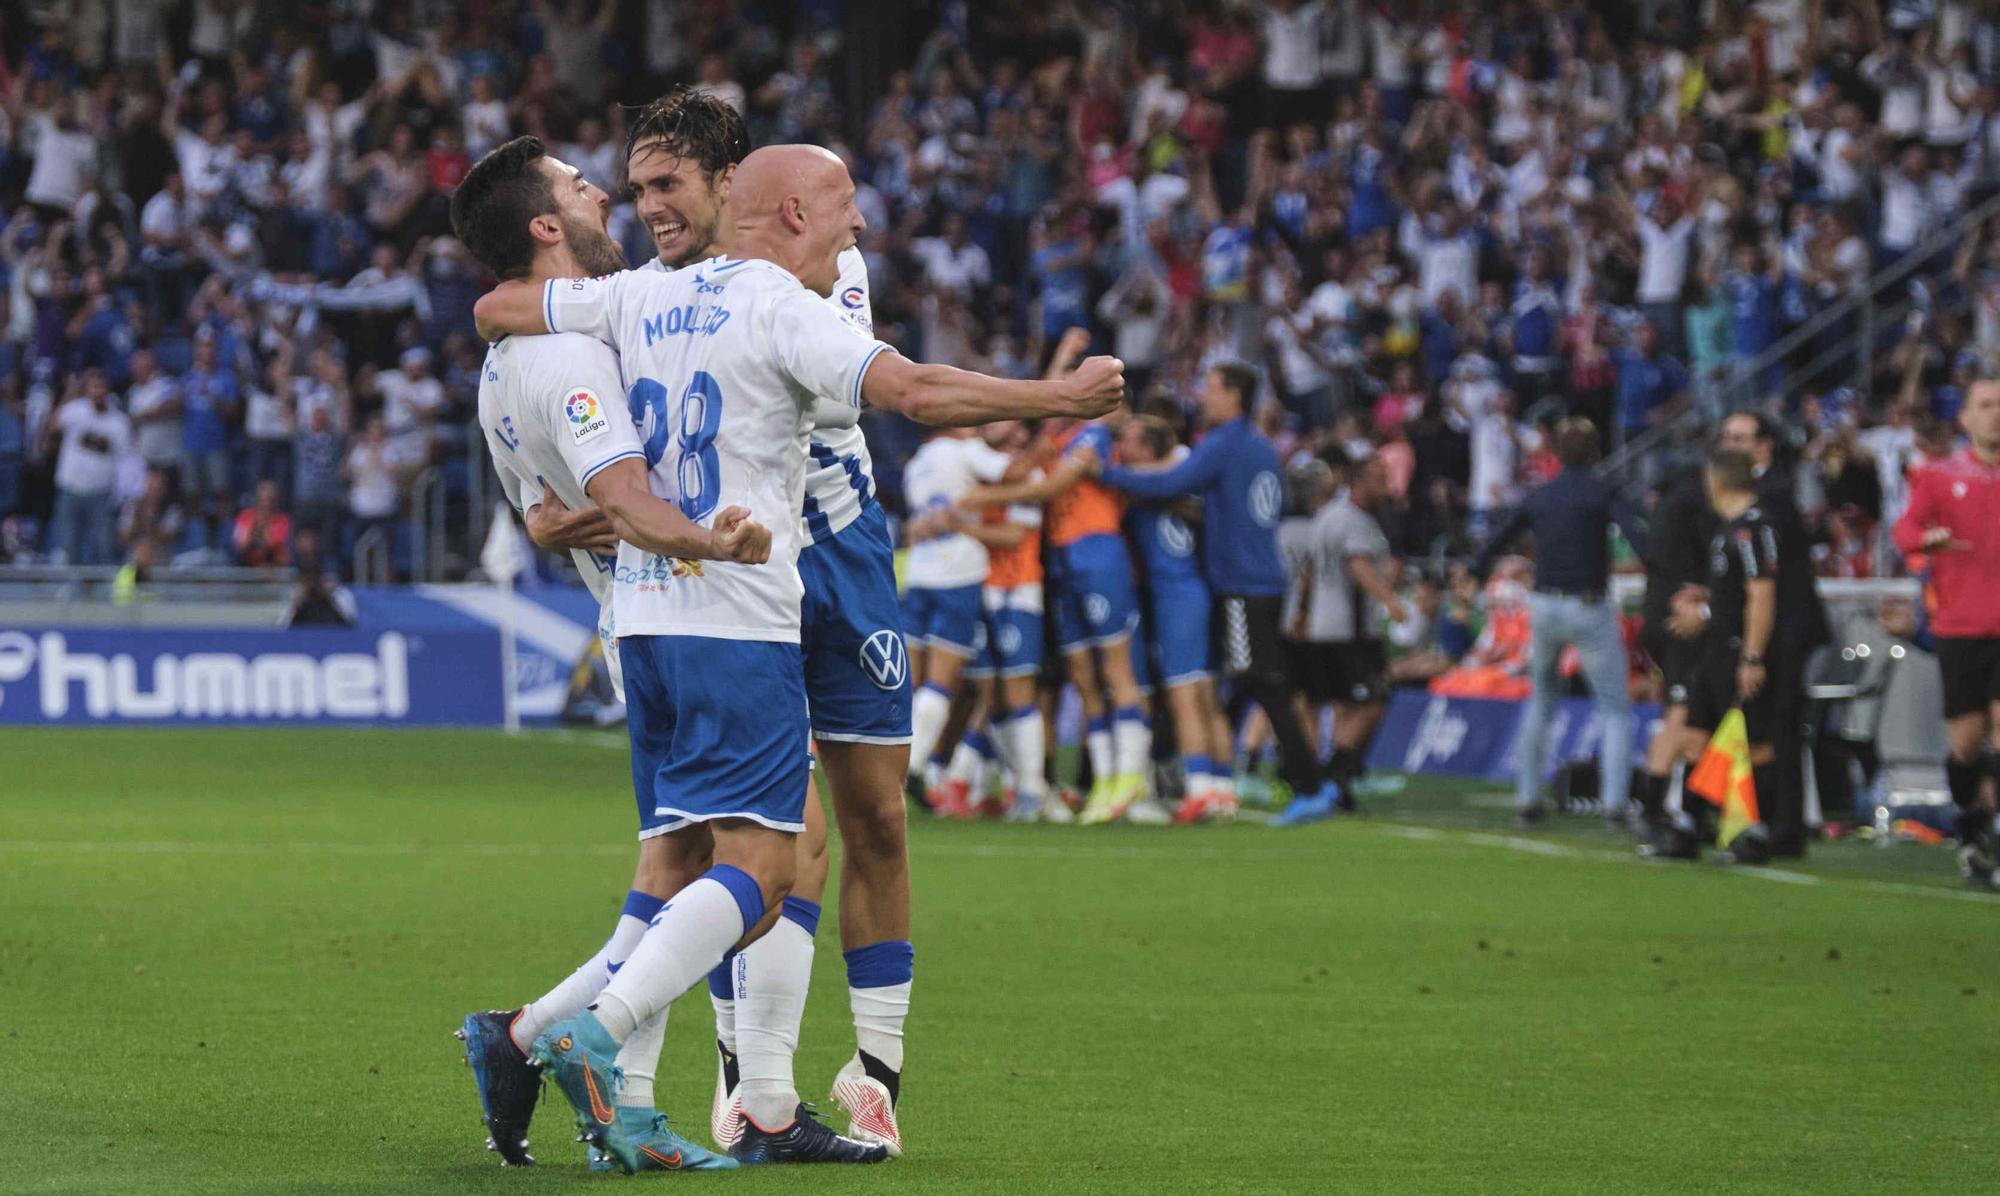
x,y
1722,776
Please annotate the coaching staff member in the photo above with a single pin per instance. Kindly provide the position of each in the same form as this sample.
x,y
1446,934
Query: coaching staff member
x,y
1234,469
1570,517
1954,516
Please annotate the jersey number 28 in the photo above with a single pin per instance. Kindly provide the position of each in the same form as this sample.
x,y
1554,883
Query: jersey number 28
x,y
697,469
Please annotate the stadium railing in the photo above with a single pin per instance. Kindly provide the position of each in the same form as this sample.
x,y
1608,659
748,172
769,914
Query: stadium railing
x,y
173,596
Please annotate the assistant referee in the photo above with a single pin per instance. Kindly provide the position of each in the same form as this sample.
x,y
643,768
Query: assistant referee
x,y
1954,516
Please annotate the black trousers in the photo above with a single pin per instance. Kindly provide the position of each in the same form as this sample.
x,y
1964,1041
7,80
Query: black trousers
x,y
1253,656
1784,808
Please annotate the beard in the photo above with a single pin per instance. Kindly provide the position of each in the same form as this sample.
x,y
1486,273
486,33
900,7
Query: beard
x,y
595,252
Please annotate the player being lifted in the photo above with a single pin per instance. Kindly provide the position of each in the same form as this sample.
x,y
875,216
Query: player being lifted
x,y
553,412
713,661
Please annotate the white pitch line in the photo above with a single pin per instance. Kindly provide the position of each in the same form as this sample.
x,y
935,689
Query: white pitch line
x,y
1430,834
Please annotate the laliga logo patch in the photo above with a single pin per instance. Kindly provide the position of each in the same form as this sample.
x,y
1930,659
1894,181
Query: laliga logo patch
x,y
587,420
852,299
17,656
885,660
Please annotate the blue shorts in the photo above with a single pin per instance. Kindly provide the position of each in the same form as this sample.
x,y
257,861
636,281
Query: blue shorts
x,y
1010,638
1179,631
947,619
718,730
1141,648
1096,601
857,667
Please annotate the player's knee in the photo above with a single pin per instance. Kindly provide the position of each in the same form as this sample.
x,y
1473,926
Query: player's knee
x,y
874,834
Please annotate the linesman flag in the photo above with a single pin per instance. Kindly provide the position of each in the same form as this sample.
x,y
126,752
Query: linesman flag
x,y
1722,777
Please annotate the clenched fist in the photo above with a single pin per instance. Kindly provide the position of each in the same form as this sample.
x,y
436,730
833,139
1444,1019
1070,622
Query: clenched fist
x,y
736,537
1096,387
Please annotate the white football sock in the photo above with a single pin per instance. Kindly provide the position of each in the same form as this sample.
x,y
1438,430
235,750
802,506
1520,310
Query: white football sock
x,y
685,942
1132,736
878,1020
770,1003
930,709
965,765
581,987
639,1061
725,1006
1097,741
1021,741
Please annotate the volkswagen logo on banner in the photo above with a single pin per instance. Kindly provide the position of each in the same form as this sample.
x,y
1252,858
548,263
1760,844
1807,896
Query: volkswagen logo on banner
x,y
885,660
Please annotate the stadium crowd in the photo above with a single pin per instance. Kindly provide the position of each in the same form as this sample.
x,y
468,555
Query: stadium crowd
x,y
236,330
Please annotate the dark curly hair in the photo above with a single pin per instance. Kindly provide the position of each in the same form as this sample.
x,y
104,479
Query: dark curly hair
x,y
693,125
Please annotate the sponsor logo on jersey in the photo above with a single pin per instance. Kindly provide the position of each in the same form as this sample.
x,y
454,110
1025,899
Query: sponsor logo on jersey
x,y
852,299
587,420
885,660
1267,499
1175,536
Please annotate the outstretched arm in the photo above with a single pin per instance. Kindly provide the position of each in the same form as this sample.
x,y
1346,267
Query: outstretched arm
x,y
943,396
1195,472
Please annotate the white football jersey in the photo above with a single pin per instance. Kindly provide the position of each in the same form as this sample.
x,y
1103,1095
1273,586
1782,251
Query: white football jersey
x,y
938,475
840,476
722,363
553,411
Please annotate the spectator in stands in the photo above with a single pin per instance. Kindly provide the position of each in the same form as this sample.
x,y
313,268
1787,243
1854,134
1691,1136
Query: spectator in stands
x,y
373,498
210,401
319,495
87,434
1652,386
150,528
13,448
263,532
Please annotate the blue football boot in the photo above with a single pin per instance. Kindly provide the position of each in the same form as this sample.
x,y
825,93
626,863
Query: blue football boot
x,y
1316,808
579,1055
805,1140
508,1083
654,1147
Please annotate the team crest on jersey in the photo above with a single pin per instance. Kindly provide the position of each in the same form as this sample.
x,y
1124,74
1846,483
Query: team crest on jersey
x,y
587,420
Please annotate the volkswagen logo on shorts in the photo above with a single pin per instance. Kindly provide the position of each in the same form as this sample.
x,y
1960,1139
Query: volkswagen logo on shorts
x,y
1097,608
885,660
1267,499
1010,640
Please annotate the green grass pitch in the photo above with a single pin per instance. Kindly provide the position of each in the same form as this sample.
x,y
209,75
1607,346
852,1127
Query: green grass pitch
x,y
232,962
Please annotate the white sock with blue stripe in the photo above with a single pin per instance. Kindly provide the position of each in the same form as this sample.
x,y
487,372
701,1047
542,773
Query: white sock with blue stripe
x,y
684,943
770,1002
930,709
1132,735
580,987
